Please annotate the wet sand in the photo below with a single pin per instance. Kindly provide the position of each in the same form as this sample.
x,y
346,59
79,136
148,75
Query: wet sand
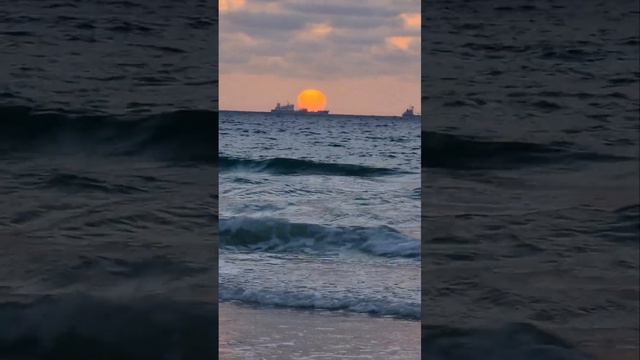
x,y
270,333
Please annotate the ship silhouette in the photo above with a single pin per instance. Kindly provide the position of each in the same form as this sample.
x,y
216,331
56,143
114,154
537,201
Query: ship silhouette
x,y
409,114
289,109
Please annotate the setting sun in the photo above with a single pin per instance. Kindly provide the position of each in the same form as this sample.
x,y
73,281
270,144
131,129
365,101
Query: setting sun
x,y
312,100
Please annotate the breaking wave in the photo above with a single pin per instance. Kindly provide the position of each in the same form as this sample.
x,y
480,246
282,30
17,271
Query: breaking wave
x,y
82,327
287,166
184,135
307,301
276,235
511,341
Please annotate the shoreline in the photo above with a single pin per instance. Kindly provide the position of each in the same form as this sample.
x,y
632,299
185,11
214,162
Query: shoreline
x,y
247,332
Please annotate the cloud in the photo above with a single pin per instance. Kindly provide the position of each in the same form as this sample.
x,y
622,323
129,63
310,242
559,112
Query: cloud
x,y
231,5
261,24
321,30
322,39
243,39
342,8
412,20
314,33
400,42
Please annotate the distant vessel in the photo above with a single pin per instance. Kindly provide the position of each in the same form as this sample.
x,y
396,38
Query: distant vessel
x,y
289,109
283,109
408,114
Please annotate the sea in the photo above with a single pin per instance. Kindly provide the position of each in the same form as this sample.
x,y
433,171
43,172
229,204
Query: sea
x,y
530,161
108,179
321,214
109,201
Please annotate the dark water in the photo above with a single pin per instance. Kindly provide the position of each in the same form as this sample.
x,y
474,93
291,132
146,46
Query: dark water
x,y
530,179
530,207
108,180
110,57
320,212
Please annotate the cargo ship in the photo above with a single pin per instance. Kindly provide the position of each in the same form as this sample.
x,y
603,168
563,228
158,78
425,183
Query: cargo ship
x,y
408,114
289,109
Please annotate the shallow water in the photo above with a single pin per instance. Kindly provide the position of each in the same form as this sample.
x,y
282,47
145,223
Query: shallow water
x,y
322,213
260,333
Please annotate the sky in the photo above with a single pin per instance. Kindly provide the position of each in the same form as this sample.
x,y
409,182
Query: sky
x,y
364,55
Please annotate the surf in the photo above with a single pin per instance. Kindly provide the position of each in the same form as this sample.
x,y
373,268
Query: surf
x,y
183,135
288,166
278,235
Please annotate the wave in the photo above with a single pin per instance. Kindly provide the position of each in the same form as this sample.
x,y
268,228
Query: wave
x,y
311,301
276,235
76,183
458,152
183,135
626,226
511,341
287,166
58,328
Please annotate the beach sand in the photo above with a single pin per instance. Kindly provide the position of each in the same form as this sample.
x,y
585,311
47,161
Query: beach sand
x,y
273,333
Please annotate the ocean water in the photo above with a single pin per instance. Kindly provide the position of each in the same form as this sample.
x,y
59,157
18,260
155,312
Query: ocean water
x,y
530,207
108,180
320,213
530,203
109,56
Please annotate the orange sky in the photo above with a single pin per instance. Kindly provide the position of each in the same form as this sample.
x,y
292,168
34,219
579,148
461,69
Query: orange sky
x,y
364,55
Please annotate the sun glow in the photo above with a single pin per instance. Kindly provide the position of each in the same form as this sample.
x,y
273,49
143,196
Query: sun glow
x,y
312,100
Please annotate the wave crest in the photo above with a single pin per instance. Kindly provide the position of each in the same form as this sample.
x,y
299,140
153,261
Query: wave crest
x,y
184,135
511,341
306,301
83,327
287,166
275,235
466,153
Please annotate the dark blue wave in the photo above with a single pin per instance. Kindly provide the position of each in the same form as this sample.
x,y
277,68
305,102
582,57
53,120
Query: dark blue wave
x,y
287,166
184,135
511,341
458,152
82,327
276,235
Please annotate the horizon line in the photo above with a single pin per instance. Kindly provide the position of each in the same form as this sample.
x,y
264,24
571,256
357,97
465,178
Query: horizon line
x,y
329,114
